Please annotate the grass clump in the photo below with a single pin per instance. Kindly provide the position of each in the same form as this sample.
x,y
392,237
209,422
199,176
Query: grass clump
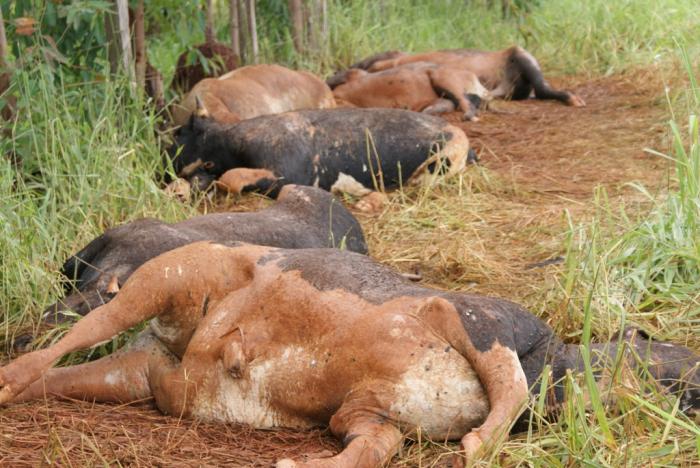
x,y
82,158
647,272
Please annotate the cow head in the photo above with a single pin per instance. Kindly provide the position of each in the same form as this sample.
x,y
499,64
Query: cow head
x,y
674,367
196,153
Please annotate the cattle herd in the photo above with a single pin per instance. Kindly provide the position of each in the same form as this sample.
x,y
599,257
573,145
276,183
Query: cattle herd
x,y
279,318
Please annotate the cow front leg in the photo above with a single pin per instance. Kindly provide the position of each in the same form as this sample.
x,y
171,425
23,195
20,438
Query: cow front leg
x,y
370,439
121,377
173,285
243,179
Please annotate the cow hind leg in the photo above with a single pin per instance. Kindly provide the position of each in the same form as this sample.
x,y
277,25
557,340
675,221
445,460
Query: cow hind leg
x,y
440,106
524,74
450,159
369,439
490,349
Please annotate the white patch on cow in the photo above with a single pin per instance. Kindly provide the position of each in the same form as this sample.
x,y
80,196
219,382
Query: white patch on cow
x,y
398,319
347,184
246,400
166,270
114,377
179,270
518,373
442,394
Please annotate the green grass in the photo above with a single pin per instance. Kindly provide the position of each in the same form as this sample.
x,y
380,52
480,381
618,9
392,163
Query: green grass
x,y
567,36
89,154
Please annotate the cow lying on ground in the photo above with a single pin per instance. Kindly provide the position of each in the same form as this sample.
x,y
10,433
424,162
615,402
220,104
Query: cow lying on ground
x,y
417,86
512,73
301,338
255,90
302,217
354,151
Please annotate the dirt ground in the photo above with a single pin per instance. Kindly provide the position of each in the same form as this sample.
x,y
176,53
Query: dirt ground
x,y
540,158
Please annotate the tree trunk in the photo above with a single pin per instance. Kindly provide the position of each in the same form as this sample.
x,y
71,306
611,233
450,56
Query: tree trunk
x,y
140,46
3,44
112,33
235,27
243,32
125,39
209,23
7,110
252,30
297,19
324,22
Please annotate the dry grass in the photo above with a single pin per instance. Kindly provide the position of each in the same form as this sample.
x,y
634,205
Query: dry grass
x,y
480,232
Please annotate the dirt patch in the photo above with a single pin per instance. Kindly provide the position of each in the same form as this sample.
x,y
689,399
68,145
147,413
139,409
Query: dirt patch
x,y
77,433
540,159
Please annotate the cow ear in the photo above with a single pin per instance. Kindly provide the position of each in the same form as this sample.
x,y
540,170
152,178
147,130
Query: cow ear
x,y
200,111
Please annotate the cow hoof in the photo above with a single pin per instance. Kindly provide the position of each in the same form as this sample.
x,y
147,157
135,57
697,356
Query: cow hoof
x,y
471,443
20,373
575,101
372,203
180,189
286,463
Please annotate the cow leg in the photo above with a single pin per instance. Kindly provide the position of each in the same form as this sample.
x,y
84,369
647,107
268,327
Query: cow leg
x,y
121,377
372,202
440,106
172,286
452,156
243,179
523,73
491,353
459,86
370,439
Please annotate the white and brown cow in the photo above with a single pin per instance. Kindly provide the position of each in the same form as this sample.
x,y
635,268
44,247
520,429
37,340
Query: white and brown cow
x,y
417,86
301,338
255,90
511,73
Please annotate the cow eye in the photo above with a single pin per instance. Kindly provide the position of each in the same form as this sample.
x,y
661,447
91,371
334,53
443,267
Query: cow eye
x,y
208,165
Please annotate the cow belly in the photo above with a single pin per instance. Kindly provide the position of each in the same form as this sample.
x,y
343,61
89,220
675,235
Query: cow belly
x,y
245,400
441,394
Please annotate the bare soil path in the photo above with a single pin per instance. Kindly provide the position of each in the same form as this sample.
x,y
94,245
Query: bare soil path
x,y
541,158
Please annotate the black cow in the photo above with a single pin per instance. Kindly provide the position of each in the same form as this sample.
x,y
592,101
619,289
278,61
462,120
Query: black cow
x,y
354,151
303,217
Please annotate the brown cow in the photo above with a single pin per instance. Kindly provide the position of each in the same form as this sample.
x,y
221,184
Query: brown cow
x,y
301,338
511,73
417,86
255,90
220,58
